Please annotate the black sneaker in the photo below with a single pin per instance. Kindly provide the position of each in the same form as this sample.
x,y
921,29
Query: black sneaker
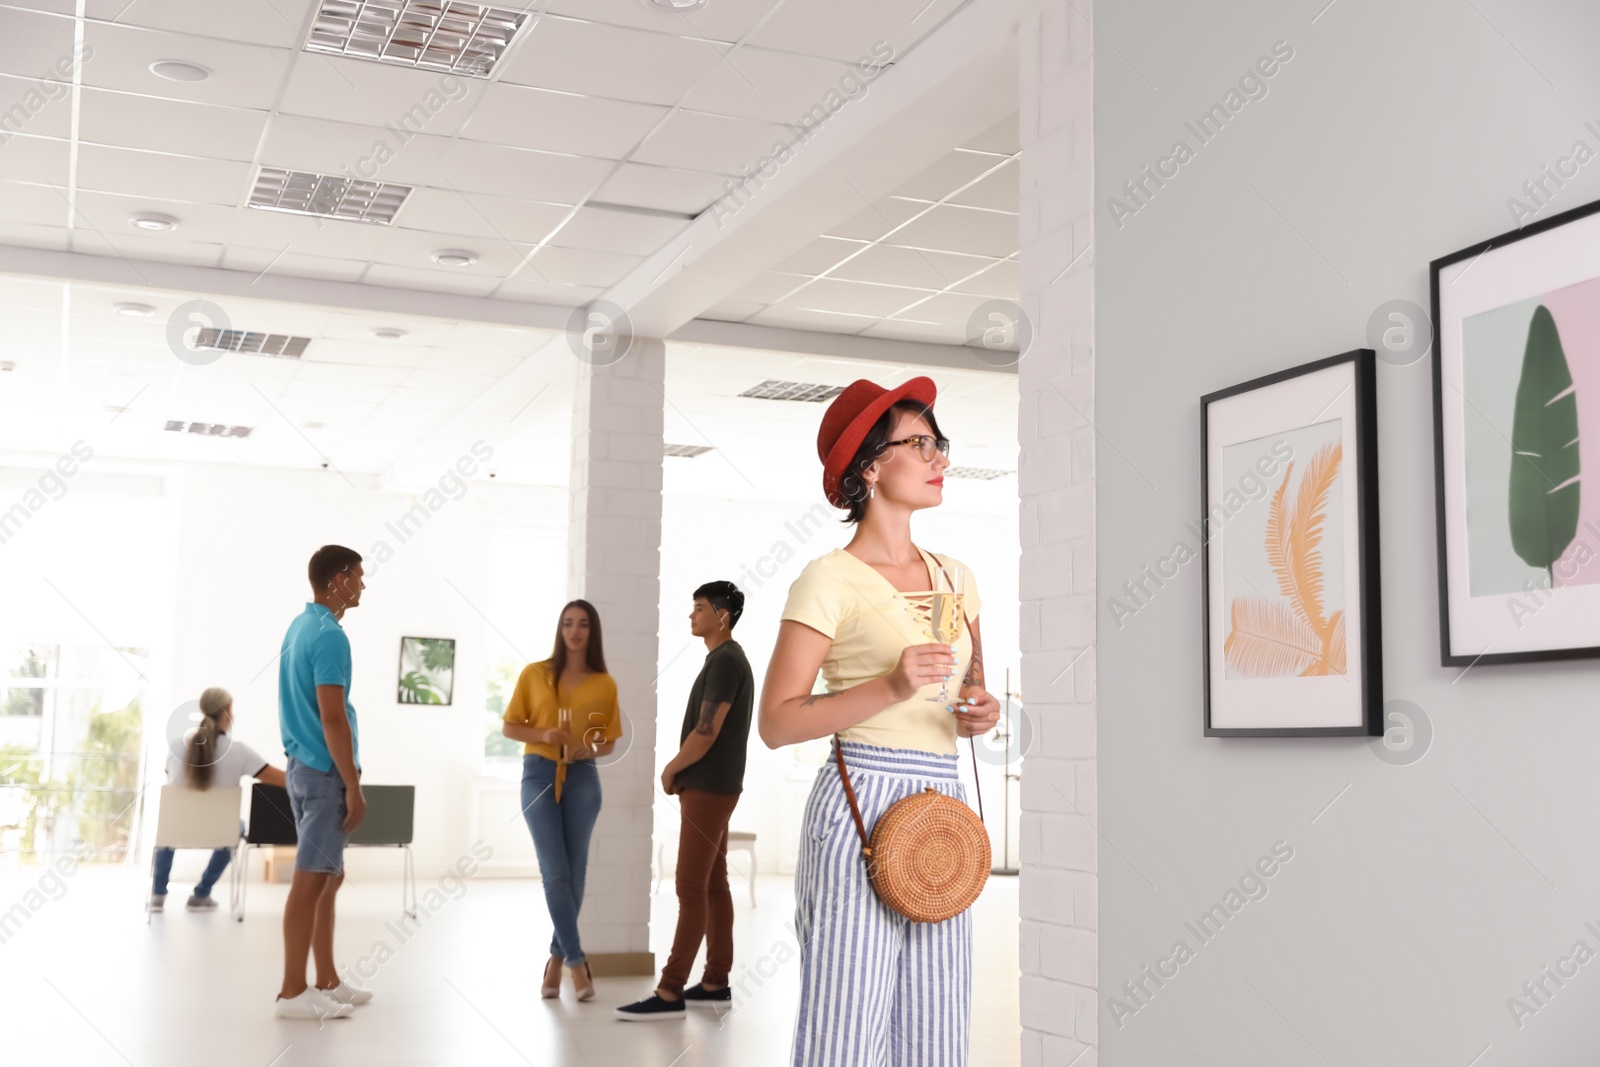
x,y
650,1009
700,996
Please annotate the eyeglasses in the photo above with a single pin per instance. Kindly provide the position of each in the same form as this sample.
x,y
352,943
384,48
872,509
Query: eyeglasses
x,y
926,445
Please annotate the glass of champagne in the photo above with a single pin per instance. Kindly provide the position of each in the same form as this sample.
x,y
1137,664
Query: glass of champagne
x,y
947,616
564,724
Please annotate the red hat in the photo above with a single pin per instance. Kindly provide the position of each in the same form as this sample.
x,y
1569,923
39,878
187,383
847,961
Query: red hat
x,y
850,416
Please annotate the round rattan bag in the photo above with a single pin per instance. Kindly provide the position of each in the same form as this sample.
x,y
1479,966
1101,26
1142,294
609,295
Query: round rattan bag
x,y
928,855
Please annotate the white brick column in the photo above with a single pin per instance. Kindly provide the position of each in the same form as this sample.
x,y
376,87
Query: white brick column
x,y
614,562
1059,900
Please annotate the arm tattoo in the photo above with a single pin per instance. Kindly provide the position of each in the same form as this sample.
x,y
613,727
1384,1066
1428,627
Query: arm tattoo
x,y
975,668
706,724
810,700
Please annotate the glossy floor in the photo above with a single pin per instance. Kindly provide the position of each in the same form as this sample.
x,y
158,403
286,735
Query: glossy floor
x,y
84,980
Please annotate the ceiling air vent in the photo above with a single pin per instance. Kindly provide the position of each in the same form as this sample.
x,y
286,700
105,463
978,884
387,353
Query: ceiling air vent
x,y
441,35
805,392
687,451
987,474
208,429
326,196
279,345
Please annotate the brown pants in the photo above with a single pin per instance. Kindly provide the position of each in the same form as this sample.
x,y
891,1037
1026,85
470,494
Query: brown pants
x,y
705,905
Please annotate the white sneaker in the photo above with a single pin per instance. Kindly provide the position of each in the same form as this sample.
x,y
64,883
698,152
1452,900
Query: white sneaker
x,y
158,901
310,1004
345,993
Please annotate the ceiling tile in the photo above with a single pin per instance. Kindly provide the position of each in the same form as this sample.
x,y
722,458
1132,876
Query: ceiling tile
x,y
1002,137
604,230
852,298
596,59
1003,281
697,141
797,319
278,22
108,214
532,289
496,258
31,236
32,44
572,266
432,280
481,215
35,159
295,142
871,223
889,264
242,75
156,174
168,125
819,256
258,261
664,188
730,311
1000,191
494,364
193,253
476,167
934,333
40,116
962,229
947,175
952,309
726,21
306,235
404,101
850,30
557,122
755,83
768,289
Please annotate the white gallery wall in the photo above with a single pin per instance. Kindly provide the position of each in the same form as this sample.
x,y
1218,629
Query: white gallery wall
x,y
1421,897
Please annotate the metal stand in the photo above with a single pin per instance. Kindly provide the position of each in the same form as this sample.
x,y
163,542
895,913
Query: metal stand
x,y
1009,777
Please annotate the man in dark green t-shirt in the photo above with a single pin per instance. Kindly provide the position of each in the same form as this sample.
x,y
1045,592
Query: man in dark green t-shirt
x,y
706,776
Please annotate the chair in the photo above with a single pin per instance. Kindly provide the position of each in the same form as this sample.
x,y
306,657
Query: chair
x,y
389,824
738,840
195,818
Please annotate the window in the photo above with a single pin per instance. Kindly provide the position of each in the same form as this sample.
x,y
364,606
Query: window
x,y
70,740
527,564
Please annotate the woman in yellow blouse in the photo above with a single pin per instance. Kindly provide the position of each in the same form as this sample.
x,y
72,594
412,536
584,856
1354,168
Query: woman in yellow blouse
x,y
564,711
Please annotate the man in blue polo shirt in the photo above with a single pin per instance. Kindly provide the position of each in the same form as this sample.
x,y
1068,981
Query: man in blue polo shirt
x,y
324,781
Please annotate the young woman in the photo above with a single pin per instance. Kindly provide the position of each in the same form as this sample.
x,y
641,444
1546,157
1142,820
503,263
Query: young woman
x,y
210,757
560,783
875,988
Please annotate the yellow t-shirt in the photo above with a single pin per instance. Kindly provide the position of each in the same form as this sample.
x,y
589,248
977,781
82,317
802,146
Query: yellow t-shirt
x,y
596,717
870,623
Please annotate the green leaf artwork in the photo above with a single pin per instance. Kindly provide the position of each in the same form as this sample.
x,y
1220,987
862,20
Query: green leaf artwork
x,y
414,689
1544,450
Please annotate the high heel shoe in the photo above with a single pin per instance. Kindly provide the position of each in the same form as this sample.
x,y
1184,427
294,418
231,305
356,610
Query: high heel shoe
x,y
585,987
551,988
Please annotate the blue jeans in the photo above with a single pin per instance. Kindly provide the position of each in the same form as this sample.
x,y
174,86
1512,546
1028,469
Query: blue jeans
x,y
561,835
316,799
208,880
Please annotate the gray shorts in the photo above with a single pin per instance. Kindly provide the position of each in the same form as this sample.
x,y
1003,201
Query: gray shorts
x,y
317,800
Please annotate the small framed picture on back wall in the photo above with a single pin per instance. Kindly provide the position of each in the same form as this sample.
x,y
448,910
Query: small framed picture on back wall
x,y
1516,398
427,670
1289,559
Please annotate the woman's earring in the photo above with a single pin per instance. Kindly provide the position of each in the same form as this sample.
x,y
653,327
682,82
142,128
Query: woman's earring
x,y
871,491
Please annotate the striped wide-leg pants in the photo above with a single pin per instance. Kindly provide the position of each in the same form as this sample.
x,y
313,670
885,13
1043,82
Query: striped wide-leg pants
x,y
876,989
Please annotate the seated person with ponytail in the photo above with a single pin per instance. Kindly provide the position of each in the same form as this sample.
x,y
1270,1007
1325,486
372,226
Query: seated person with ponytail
x,y
210,757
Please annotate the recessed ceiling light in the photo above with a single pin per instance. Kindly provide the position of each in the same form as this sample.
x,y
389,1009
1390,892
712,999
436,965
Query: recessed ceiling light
x,y
433,34
300,192
178,70
676,5
388,333
454,257
150,220
134,311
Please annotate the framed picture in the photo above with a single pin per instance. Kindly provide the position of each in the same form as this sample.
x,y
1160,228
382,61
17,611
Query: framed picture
x,y
427,670
1289,553
1516,402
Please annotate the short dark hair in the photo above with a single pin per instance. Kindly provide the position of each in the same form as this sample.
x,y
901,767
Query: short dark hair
x,y
851,484
328,561
723,596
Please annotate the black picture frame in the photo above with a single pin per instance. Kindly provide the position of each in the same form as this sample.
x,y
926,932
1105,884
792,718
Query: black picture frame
x,y
1364,525
1449,655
